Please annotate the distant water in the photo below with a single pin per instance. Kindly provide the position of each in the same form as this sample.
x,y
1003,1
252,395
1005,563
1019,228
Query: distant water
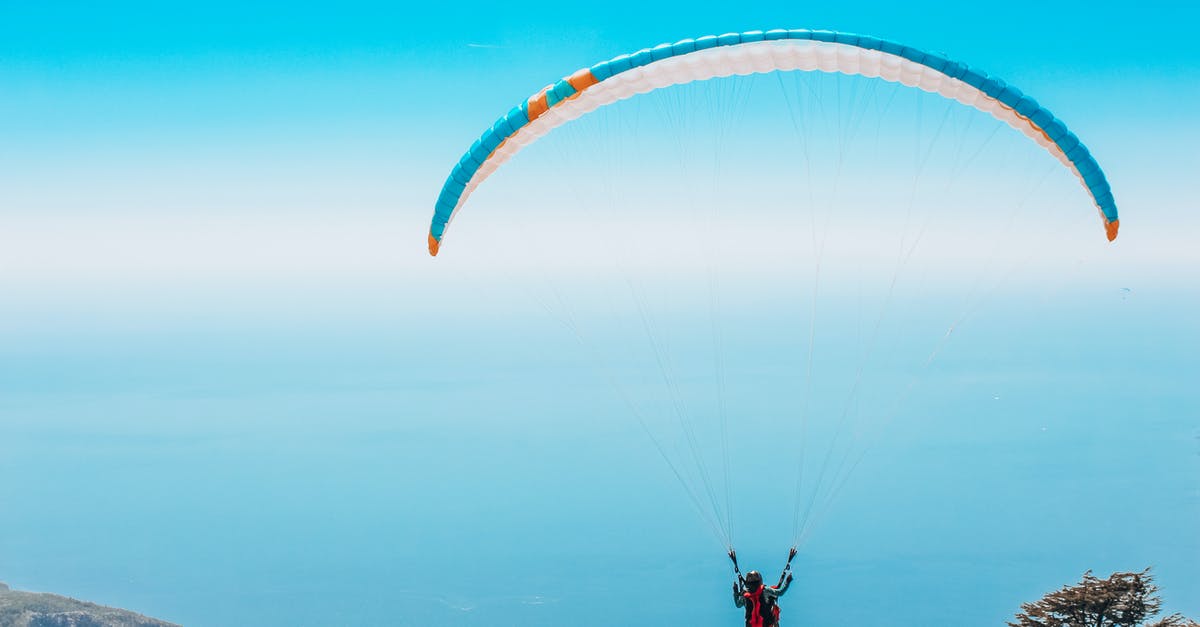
x,y
345,473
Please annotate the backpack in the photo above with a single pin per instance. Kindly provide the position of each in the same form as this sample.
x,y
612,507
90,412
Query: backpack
x,y
761,610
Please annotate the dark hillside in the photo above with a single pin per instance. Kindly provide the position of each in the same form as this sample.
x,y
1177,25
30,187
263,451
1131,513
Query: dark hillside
x,y
36,609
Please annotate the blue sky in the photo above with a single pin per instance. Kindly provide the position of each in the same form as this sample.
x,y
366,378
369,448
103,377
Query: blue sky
x,y
221,332
213,110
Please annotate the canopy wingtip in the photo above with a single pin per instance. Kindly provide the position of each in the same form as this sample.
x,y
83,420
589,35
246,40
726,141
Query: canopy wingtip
x,y
1110,229
434,245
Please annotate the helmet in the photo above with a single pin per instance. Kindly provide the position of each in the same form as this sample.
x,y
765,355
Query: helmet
x,y
753,580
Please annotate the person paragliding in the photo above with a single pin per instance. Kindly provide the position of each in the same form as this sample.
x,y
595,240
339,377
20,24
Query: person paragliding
x,y
759,52
760,602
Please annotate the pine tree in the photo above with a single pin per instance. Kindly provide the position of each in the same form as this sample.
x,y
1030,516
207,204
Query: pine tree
x,y
1122,600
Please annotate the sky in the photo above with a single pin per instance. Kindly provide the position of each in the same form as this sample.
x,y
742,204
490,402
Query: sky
x,y
235,387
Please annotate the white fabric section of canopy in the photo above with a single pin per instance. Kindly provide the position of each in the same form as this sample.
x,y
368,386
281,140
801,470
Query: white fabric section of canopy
x,y
758,58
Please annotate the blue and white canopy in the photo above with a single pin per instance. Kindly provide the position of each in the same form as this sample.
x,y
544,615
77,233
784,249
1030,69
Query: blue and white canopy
x,y
757,52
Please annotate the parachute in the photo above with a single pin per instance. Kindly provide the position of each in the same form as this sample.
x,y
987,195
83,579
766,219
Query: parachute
x,y
857,370
760,52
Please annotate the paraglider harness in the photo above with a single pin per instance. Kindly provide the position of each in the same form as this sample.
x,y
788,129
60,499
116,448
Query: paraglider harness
x,y
761,610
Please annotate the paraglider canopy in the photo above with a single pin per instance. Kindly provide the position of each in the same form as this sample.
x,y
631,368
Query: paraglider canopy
x,y
755,52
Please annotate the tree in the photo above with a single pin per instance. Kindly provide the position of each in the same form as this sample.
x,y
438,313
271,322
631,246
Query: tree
x,y
1122,600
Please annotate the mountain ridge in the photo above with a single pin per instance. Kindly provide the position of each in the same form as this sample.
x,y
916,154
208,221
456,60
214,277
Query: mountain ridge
x,y
42,609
